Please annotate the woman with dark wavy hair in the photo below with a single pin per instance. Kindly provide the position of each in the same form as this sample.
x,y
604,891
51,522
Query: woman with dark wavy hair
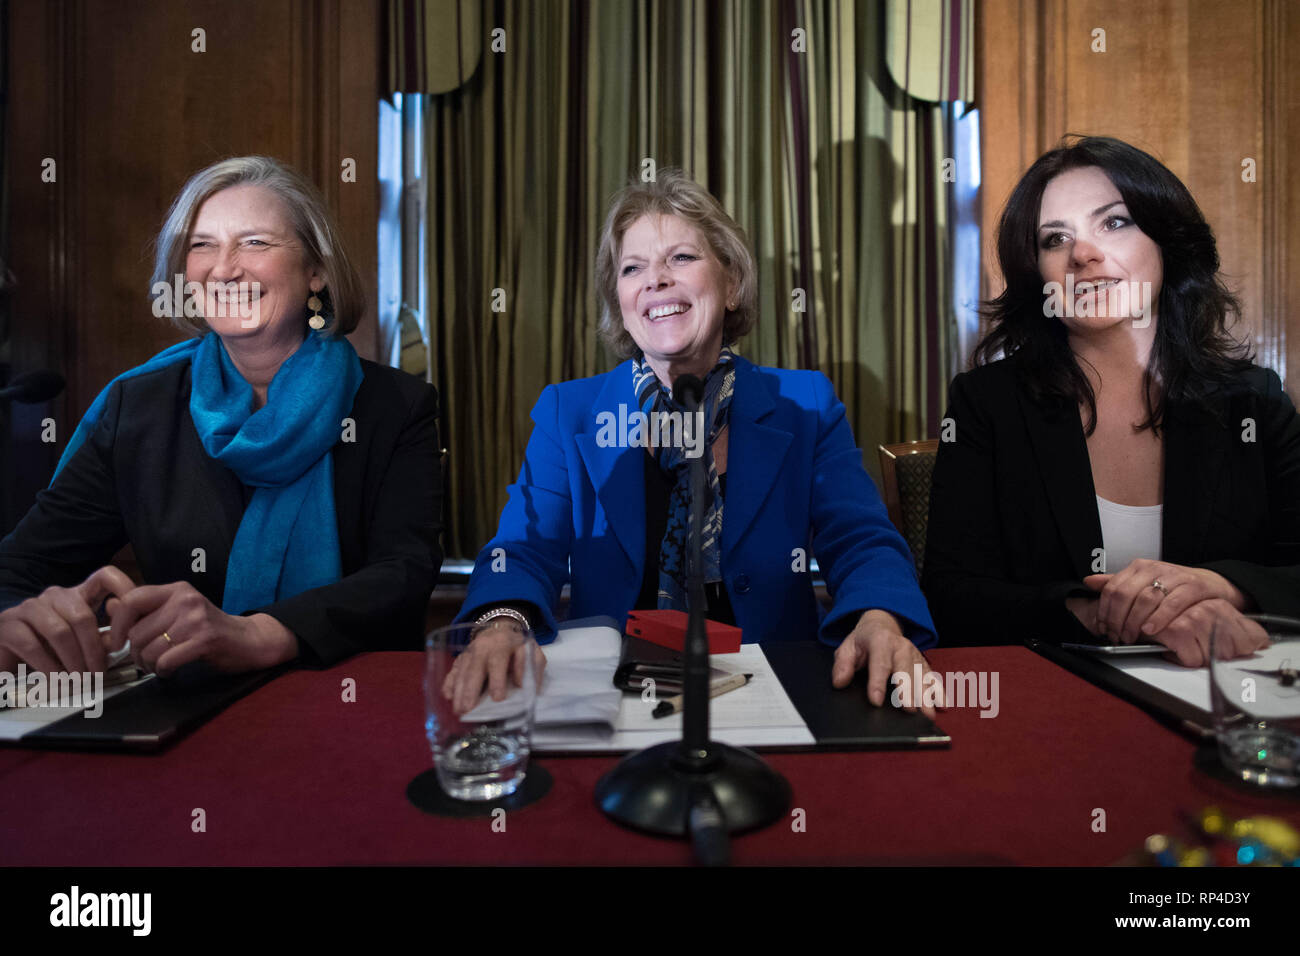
x,y
1116,463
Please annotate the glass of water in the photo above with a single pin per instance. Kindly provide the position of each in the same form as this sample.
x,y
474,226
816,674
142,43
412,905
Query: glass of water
x,y
1256,703
480,753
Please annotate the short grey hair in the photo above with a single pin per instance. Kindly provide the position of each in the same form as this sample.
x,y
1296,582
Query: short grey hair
x,y
343,298
673,193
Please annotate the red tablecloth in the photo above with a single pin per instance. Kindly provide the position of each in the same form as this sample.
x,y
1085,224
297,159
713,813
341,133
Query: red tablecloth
x,y
294,775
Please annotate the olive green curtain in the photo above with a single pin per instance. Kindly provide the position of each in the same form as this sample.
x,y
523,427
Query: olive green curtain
x,y
785,109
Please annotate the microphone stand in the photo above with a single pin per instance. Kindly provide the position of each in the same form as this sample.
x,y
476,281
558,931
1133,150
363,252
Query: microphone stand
x,y
694,786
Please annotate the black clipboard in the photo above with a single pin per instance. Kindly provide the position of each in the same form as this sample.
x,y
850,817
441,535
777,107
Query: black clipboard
x,y
845,719
150,715
837,719
1165,707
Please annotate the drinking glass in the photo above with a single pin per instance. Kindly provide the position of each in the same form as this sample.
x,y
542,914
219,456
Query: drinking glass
x,y
1256,704
481,754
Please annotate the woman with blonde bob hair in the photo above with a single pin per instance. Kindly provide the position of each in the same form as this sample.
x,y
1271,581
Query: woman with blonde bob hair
x,y
281,494
603,498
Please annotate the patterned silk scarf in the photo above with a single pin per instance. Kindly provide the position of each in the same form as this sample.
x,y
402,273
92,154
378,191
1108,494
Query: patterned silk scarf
x,y
654,399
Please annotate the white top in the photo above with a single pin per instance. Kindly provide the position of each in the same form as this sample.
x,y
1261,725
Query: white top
x,y
1129,532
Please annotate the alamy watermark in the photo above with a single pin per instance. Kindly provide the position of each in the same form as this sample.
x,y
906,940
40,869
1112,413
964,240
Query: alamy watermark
x,y
1071,300
235,300
959,689
76,908
84,691
636,429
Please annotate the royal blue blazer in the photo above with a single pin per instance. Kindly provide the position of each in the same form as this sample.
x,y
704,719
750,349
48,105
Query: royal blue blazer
x,y
796,489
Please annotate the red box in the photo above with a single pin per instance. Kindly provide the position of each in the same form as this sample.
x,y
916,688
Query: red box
x,y
668,629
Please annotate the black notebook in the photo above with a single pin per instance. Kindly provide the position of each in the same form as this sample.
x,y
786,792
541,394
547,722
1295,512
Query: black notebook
x,y
150,714
837,719
845,719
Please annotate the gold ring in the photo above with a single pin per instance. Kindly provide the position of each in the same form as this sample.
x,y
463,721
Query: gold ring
x,y
168,639
1160,587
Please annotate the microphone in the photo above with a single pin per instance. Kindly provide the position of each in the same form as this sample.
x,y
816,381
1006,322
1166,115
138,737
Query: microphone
x,y
694,787
32,387
688,391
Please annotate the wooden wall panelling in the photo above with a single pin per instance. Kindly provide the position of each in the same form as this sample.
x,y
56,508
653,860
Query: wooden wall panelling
x,y
1280,26
41,217
116,96
1201,84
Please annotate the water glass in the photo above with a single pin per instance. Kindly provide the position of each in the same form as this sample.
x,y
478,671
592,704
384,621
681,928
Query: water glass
x,y
481,754
1256,704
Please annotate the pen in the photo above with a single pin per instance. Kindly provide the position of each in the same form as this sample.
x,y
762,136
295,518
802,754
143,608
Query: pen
x,y
673,704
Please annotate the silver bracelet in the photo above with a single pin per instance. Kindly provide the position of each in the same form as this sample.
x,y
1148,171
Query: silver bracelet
x,y
504,612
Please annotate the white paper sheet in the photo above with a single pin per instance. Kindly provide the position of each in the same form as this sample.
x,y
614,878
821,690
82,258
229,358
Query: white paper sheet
x,y
1269,698
760,714
577,686
1190,684
17,721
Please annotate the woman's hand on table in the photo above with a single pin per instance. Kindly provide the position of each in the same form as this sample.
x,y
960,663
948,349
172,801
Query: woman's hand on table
x,y
493,657
1181,613
1131,608
58,629
170,625
1188,635
877,642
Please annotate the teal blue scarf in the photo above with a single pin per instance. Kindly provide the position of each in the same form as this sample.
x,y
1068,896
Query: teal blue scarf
x,y
288,539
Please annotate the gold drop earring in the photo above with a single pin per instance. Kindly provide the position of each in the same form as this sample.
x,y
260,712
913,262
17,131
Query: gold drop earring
x,y
317,321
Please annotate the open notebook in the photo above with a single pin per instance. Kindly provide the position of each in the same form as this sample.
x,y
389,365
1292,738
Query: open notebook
x,y
581,711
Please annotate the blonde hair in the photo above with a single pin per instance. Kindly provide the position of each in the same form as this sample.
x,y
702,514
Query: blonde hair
x,y
343,297
673,193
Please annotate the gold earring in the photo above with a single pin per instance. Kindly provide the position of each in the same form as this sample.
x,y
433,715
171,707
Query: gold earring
x,y
317,321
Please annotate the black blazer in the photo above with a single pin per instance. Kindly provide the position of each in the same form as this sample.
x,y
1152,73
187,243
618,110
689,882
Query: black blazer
x,y
142,476
1013,512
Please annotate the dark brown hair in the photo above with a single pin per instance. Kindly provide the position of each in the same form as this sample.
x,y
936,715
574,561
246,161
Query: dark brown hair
x,y
1193,349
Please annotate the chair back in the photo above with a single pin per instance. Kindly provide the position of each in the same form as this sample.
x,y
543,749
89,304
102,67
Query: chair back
x,y
906,470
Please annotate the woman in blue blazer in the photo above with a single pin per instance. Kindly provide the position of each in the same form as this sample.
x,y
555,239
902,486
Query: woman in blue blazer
x,y
602,498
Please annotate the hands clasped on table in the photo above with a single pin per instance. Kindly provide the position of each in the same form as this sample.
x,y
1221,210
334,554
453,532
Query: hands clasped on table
x,y
1172,605
168,626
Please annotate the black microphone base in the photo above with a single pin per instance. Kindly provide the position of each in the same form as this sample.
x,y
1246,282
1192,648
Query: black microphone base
x,y
651,790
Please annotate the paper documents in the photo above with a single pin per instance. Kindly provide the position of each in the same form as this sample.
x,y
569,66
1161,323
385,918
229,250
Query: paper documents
x,y
581,711
1189,684
1192,684
577,687
16,722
